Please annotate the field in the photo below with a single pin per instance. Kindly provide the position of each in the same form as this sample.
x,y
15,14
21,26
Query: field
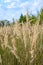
x,y
21,44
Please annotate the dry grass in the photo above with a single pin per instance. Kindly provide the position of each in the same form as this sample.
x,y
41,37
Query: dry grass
x,y
23,41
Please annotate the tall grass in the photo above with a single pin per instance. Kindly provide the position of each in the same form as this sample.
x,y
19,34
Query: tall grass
x,y
21,44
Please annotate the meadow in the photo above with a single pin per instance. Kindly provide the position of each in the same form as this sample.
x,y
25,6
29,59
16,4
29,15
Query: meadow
x,y
21,44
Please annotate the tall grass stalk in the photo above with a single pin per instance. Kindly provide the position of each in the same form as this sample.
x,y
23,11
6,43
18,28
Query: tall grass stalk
x,y
24,42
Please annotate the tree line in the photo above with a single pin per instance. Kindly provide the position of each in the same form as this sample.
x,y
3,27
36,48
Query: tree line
x,y
32,18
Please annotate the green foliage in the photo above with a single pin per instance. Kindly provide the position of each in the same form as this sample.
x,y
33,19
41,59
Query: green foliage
x,y
33,18
4,23
40,14
22,18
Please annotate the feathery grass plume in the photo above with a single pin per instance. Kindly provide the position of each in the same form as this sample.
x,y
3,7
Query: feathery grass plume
x,y
35,31
20,44
23,33
33,43
5,37
27,16
39,47
17,29
1,37
12,47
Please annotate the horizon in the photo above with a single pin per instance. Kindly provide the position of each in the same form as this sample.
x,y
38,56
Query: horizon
x,y
13,8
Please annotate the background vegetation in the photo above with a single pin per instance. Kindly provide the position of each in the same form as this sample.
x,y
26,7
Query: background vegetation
x,y
21,42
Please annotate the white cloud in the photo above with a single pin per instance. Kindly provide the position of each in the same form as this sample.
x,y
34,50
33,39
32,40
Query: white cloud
x,y
17,0
11,1
36,3
24,4
7,1
35,6
12,5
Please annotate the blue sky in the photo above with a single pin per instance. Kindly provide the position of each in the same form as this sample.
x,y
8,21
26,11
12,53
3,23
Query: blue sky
x,y
13,8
